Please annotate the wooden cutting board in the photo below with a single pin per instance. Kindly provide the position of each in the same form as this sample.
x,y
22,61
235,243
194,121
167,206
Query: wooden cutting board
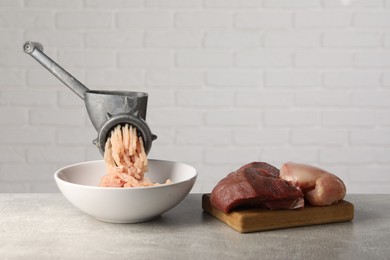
x,y
251,220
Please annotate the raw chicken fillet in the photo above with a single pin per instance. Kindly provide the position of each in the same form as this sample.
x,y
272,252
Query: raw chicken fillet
x,y
320,187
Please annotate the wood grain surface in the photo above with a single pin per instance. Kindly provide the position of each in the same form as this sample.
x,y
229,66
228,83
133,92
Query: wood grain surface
x,y
252,220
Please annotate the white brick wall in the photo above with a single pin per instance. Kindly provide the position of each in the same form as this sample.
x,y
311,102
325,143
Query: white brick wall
x,y
229,82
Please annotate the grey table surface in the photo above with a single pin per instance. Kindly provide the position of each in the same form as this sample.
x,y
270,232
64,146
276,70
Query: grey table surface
x,y
47,226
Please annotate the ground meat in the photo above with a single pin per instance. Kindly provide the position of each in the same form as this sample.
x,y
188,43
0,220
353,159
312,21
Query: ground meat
x,y
125,159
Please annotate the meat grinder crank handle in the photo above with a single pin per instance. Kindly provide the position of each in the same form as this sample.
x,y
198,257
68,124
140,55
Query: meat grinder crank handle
x,y
35,49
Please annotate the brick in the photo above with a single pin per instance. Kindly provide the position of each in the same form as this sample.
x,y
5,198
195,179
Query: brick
x,y
208,19
57,117
370,174
371,99
233,3
292,78
146,59
352,39
233,118
41,79
166,135
214,173
211,173
203,58
235,77
11,3
13,116
292,4
174,78
11,77
87,59
235,39
203,136
76,136
323,98
278,117
321,136
370,137
10,19
92,153
323,59
348,118
260,137
114,39
26,135
263,99
178,153
354,156
207,186
353,4
233,155
322,19
12,36
144,19
173,39
15,187
352,78
372,59
160,98
278,155
42,154
86,20
44,187
384,118
175,117
27,98
365,188
53,4
54,38
372,19
15,58
266,20
112,78
263,58
27,172
68,99
12,153
203,98
386,41
103,4
382,155
199,186
386,78
173,3
292,39
87,122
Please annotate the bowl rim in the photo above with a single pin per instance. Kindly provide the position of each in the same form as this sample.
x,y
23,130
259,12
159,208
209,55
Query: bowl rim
x,y
59,180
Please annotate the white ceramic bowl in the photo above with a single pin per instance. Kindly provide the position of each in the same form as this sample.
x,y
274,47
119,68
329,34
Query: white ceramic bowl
x,y
78,183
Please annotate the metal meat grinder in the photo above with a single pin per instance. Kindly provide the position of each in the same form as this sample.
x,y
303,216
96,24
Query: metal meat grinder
x,y
106,109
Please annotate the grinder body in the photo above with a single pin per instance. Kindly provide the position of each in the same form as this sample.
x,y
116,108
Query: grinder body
x,y
106,109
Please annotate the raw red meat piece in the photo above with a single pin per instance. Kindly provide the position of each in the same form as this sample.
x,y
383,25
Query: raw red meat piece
x,y
255,185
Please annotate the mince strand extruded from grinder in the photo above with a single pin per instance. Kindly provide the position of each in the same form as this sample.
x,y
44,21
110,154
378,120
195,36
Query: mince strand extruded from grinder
x,y
106,109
